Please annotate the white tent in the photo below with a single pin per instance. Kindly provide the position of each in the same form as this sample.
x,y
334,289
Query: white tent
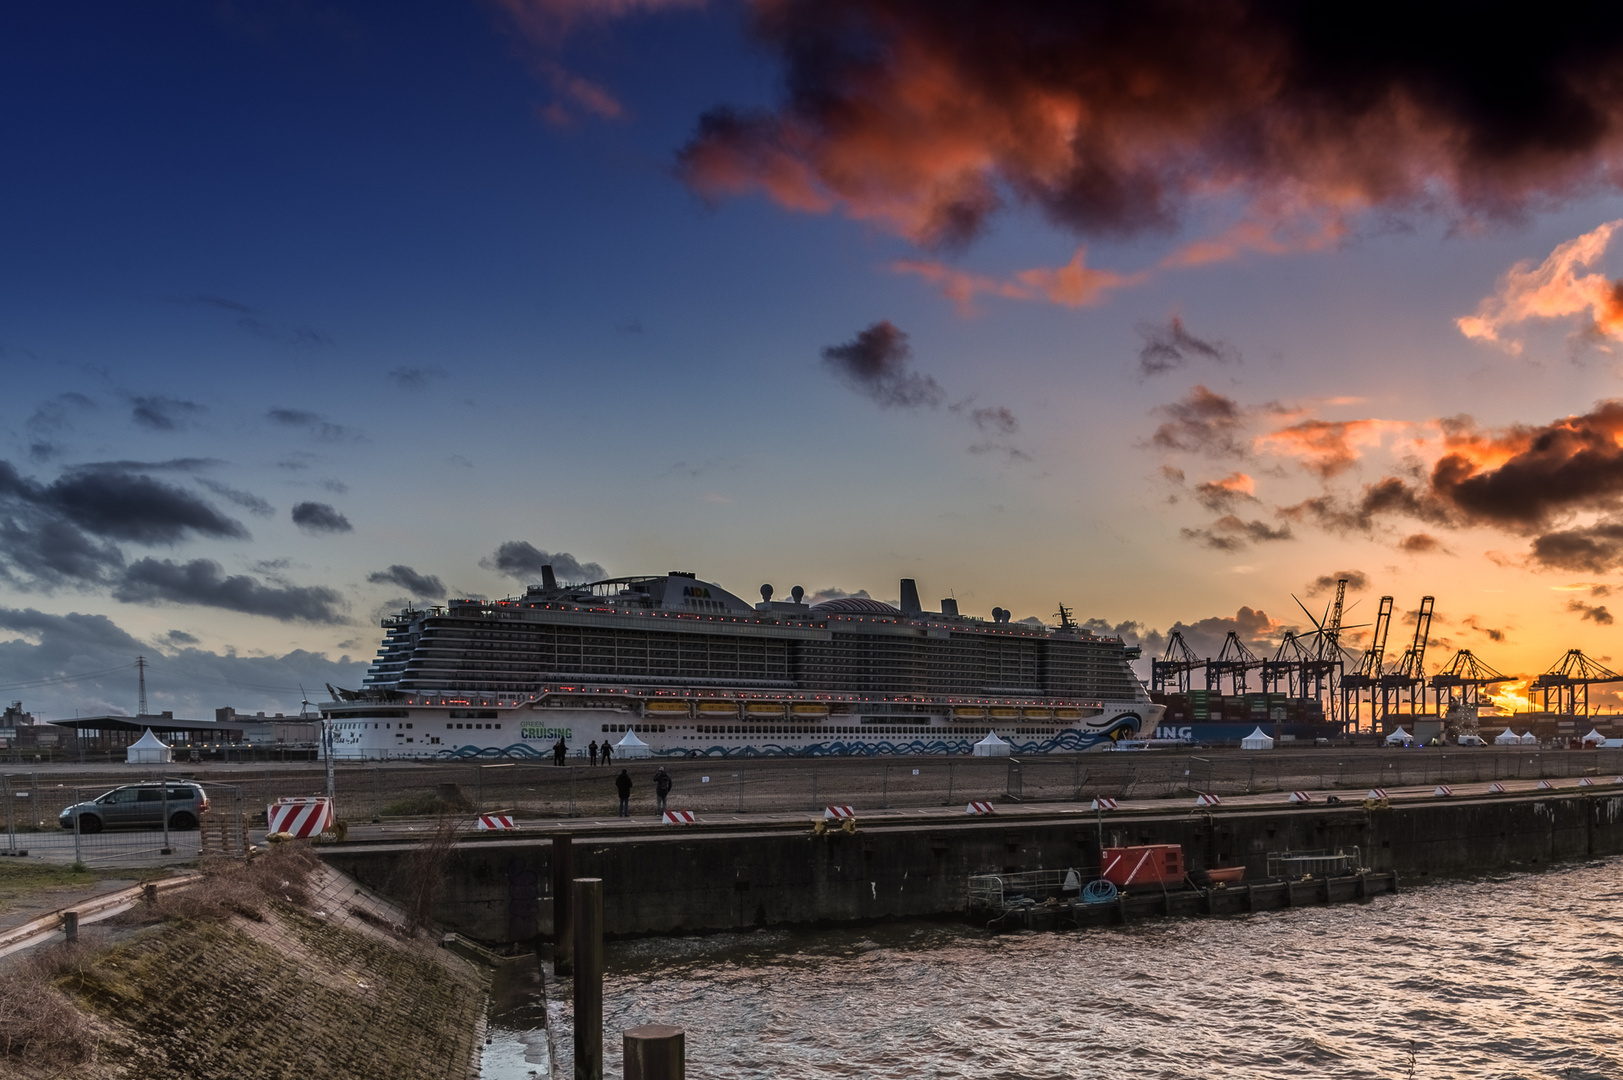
x,y
148,750
991,746
1257,740
1594,737
632,747
1529,739
1399,738
1509,738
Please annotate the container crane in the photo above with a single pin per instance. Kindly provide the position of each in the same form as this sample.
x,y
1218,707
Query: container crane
x,y
1467,675
1566,675
1175,664
1410,672
1234,661
1366,676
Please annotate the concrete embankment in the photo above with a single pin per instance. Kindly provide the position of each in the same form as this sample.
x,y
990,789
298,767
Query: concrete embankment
x,y
682,880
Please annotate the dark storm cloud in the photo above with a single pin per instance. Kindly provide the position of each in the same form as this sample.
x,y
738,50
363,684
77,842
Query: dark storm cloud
x,y
118,505
420,586
203,582
1421,544
163,413
523,561
1595,613
1589,549
314,423
181,677
1357,581
1116,119
1170,347
315,517
877,363
1205,423
834,593
1386,497
1231,533
415,378
1206,636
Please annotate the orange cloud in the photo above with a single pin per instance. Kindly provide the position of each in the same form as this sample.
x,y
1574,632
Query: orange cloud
x,y
1073,285
1326,447
1554,289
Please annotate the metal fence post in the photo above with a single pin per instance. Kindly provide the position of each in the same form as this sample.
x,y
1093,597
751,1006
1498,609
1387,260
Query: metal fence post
x,y
11,823
164,798
78,858
884,791
950,766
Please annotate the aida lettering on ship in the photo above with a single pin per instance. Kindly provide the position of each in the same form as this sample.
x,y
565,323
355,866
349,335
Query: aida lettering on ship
x,y
692,670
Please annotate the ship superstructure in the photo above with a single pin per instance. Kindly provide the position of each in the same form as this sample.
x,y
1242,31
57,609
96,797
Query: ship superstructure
x,y
692,669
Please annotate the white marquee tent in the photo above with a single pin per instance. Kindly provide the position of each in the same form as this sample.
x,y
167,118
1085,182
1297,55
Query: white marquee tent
x,y
1594,738
148,750
1529,739
991,746
1509,738
1399,738
1257,740
632,747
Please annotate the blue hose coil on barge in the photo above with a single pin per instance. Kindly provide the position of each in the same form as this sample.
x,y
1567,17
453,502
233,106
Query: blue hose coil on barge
x,y
1099,892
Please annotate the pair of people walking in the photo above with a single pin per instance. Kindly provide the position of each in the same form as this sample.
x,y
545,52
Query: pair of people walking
x,y
662,789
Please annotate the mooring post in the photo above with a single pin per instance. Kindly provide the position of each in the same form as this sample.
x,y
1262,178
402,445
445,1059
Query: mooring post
x,y
655,1052
563,927
588,917
70,926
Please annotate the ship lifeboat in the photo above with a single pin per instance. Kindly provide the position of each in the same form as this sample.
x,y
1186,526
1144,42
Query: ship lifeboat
x,y
718,708
665,708
1002,713
1038,714
764,709
809,708
1066,713
968,712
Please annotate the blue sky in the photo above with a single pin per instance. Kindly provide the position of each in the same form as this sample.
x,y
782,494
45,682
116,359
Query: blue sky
x,y
390,261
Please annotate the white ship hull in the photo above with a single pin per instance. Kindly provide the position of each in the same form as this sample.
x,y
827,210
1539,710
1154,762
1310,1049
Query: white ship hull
x,y
529,729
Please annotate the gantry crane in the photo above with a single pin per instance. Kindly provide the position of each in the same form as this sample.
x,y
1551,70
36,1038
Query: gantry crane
x,y
1566,675
1409,673
1234,661
1367,675
1175,664
1467,675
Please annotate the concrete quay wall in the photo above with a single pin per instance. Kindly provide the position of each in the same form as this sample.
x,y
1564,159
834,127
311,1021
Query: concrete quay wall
x,y
693,880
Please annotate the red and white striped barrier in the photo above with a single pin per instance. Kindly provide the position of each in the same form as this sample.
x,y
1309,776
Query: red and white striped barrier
x,y
1586,782
1208,800
680,817
1103,803
1442,790
1496,788
838,813
300,817
1376,793
495,822
1300,796
1545,785
979,808
1617,780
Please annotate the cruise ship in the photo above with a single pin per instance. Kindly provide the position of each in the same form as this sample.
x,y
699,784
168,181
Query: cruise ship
x,y
673,666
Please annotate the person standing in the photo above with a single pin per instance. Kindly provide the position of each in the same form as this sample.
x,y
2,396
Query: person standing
x,y
607,753
623,783
558,752
662,786
591,750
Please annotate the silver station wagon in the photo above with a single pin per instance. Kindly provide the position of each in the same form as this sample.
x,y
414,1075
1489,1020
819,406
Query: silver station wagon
x,y
139,806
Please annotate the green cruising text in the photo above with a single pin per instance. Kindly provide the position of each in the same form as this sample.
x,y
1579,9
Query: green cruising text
x,y
671,666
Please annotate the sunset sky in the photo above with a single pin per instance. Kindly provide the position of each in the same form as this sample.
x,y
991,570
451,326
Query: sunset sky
x,y
1166,312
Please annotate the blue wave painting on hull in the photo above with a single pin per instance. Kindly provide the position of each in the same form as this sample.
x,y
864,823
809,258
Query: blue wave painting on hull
x,y
1124,726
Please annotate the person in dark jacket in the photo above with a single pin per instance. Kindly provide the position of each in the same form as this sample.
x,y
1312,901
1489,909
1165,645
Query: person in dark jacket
x,y
662,786
608,755
591,749
623,783
558,752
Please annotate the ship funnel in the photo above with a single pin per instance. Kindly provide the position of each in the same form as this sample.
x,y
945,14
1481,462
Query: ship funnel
x,y
949,607
548,579
910,597
766,593
798,593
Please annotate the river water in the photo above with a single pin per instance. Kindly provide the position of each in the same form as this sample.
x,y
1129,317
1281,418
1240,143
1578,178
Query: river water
x,y
1503,976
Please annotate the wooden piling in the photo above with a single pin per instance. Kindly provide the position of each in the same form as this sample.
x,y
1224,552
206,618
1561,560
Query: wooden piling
x,y
563,928
70,926
588,920
655,1052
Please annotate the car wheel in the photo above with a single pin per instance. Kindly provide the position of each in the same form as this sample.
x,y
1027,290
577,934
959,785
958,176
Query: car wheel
x,y
89,823
182,821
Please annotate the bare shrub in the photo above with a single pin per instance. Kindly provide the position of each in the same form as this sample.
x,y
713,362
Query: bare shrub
x,y
39,1024
234,887
421,877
